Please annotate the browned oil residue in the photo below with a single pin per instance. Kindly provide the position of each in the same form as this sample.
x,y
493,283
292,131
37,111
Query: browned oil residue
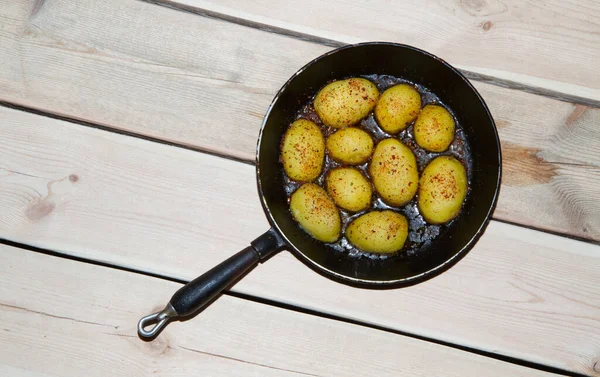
x,y
420,233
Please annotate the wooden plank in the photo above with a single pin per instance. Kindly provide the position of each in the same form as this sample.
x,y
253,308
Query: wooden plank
x,y
157,208
208,84
551,45
145,74
551,162
66,318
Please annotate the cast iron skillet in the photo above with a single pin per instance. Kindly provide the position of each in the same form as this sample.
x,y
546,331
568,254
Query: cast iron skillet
x,y
398,60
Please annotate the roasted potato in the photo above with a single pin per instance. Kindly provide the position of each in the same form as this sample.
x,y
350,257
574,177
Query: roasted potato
x,y
397,107
393,170
351,146
378,232
345,102
303,151
434,128
314,210
349,189
442,190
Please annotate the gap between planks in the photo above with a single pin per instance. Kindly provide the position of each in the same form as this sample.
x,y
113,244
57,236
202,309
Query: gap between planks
x,y
77,316
229,157
151,197
206,88
124,132
482,76
16,247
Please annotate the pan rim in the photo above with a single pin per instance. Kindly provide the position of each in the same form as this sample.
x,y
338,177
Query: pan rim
x,y
379,283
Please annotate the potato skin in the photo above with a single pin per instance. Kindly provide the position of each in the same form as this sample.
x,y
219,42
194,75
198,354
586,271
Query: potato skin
x,y
303,151
343,103
397,107
351,146
394,173
442,190
434,128
349,189
314,210
378,232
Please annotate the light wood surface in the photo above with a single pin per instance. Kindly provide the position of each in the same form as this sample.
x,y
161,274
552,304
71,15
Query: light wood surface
x,y
200,77
166,210
551,162
551,45
207,86
187,85
65,318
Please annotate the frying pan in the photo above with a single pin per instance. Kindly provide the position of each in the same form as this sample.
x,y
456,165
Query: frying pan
x,y
397,60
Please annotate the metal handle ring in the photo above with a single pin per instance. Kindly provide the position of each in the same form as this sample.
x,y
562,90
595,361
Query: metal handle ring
x,y
158,319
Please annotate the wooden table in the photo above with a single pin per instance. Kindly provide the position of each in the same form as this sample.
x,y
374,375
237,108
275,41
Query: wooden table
x,y
127,139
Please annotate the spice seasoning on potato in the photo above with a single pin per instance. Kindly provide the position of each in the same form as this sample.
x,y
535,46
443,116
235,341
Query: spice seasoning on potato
x,y
349,189
351,146
378,232
303,151
344,103
393,170
434,128
398,106
443,187
314,210
335,202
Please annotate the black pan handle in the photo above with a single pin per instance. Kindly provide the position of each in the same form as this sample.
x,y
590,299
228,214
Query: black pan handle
x,y
196,294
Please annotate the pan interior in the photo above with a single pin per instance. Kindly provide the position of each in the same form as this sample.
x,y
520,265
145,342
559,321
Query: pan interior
x,y
454,90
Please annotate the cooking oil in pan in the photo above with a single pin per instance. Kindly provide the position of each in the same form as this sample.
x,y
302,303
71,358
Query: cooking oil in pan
x,y
420,233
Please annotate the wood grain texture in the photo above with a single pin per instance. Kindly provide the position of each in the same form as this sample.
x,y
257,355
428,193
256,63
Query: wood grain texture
x,y
76,319
174,212
207,86
551,45
147,74
551,162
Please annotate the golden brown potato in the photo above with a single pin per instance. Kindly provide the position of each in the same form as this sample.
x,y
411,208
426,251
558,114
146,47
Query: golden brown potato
x,y
443,188
434,128
316,213
397,107
345,102
378,232
351,146
303,151
349,189
393,170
